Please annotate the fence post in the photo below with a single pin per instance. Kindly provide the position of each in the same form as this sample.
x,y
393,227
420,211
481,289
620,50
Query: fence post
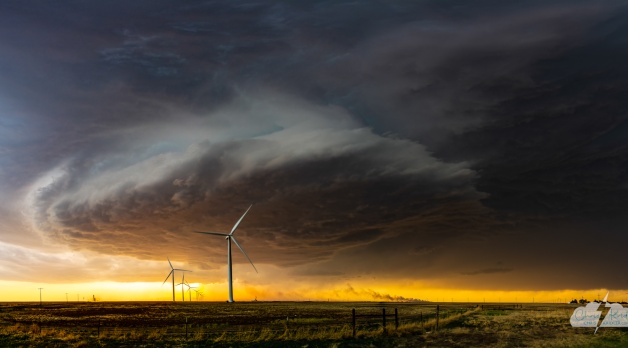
x,y
98,336
437,314
186,328
384,319
396,319
353,321
422,328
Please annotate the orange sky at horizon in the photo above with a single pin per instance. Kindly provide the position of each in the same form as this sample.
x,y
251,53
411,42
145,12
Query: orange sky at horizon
x,y
13,291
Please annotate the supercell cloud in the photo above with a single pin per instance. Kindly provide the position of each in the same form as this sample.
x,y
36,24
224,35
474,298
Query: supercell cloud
x,y
479,146
320,181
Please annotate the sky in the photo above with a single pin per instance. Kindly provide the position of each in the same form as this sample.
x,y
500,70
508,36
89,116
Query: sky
x,y
392,150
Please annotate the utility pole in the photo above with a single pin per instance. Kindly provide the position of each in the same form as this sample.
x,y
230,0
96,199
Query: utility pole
x,y
40,303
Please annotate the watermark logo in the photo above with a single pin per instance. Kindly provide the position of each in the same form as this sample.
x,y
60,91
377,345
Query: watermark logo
x,y
589,315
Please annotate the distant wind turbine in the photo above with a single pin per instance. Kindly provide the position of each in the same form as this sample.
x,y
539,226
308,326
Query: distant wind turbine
x,y
184,283
230,237
172,269
182,289
197,293
190,288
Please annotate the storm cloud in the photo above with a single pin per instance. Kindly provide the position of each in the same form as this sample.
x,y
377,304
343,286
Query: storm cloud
x,y
474,145
327,178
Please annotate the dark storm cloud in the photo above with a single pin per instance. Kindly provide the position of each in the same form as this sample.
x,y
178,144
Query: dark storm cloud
x,y
553,152
487,271
449,136
435,78
327,180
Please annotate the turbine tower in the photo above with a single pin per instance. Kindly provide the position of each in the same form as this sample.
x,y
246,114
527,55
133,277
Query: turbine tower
x,y
172,269
230,237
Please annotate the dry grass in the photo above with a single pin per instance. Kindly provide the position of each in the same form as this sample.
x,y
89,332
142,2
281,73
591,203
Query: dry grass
x,y
523,328
538,326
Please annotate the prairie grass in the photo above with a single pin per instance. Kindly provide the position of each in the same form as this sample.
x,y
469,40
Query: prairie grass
x,y
199,334
523,328
317,325
156,334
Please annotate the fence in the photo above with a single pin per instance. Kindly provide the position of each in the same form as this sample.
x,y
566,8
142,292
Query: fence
x,y
383,316
178,321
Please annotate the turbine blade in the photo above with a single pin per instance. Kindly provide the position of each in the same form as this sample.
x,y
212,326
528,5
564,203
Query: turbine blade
x,y
162,284
242,217
243,252
170,263
212,233
181,270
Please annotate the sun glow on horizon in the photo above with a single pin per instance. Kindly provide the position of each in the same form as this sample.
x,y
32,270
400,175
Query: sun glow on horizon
x,y
13,291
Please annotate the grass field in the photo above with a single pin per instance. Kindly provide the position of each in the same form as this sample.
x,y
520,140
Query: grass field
x,y
296,324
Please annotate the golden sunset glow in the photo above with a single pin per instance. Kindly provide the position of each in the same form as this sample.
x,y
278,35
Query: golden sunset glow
x,y
215,292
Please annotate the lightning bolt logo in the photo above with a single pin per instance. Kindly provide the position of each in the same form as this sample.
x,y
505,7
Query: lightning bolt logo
x,y
589,315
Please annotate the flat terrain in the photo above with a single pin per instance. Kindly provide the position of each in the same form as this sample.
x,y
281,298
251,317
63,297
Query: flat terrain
x,y
296,324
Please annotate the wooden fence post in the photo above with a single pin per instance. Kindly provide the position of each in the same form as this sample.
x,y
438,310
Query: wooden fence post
x,y
353,321
396,319
437,314
422,328
186,328
384,319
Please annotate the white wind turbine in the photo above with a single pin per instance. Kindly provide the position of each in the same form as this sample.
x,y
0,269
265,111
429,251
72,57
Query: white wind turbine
x,y
230,237
190,288
172,269
198,293
183,282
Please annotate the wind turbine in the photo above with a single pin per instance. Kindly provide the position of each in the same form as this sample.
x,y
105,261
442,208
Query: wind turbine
x,y
172,269
190,288
197,293
182,290
230,237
